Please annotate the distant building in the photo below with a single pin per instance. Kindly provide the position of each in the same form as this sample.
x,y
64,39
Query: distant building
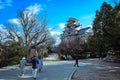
x,y
73,38
73,30
84,33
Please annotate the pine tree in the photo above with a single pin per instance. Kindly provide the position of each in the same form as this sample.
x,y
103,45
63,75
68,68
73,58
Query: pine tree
x,y
99,26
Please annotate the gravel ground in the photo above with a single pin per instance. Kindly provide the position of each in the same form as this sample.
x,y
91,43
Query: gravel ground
x,y
97,70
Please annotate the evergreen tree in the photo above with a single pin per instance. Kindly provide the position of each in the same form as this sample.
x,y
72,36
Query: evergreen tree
x,y
106,29
113,28
99,26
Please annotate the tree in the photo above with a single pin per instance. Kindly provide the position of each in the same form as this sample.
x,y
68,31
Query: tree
x,y
114,27
70,45
99,27
106,28
31,31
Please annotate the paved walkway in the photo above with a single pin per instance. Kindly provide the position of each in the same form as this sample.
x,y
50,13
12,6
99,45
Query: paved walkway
x,y
90,69
94,69
52,70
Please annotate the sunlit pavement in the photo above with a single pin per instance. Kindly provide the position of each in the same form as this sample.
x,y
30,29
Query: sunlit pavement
x,y
94,69
52,70
90,69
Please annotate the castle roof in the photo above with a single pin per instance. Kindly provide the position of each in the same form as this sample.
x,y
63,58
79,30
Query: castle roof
x,y
82,31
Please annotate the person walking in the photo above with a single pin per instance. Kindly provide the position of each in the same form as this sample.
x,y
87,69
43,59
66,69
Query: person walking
x,y
76,62
22,66
34,62
40,65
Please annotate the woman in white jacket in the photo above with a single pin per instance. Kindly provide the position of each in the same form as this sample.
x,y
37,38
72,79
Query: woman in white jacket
x,y
22,66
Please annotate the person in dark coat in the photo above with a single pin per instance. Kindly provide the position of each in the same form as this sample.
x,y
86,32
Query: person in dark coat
x,y
34,62
76,62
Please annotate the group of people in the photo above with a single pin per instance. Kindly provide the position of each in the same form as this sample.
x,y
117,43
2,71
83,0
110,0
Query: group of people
x,y
36,63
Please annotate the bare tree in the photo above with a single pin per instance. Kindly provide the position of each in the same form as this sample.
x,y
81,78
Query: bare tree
x,y
31,31
72,47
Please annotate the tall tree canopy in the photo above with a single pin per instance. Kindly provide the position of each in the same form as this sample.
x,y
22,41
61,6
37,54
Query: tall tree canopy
x,y
106,29
100,24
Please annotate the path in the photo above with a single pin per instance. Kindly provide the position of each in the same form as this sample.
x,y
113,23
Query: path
x,y
90,69
52,70
94,69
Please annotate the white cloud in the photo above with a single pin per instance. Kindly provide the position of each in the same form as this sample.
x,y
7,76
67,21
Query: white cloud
x,y
58,40
34,9
62,25
31,9
2,28
5,3
50,29
90,29
3,31
55,33
90,26
14,21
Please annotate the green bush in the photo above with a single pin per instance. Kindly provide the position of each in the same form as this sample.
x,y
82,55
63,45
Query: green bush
x,y
14,60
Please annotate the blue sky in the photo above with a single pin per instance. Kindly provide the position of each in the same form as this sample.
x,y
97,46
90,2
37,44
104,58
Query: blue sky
x,y
58,11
